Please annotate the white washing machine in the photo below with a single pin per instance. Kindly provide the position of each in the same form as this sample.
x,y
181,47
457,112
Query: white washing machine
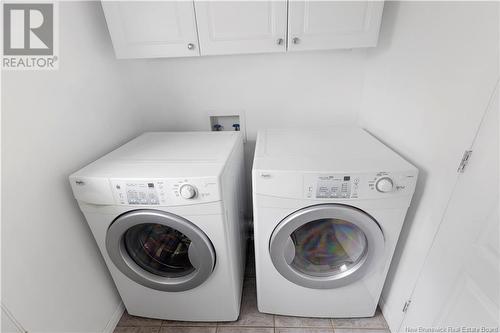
x,y
328,209
166,210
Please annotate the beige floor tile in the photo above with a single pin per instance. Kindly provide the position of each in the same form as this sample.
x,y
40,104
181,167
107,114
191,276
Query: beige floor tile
x,y
251,320
249,315
179,323
186,329
133,321
286,321
360,330
302,330
137,330
245,330
376,322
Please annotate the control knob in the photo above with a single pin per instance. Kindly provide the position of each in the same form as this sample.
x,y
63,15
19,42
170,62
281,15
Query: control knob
x,y
188,191
384,185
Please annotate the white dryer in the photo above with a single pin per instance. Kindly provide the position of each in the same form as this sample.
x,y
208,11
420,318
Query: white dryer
x,y
328,209
166,210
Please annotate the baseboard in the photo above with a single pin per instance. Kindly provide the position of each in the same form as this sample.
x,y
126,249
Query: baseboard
x,y
115,318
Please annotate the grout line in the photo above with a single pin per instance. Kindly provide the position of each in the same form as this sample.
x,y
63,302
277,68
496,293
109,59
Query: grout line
x,y
363,329
252,326
264,327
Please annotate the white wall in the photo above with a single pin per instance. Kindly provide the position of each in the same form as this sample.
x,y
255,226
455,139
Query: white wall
x,y
53,277
273,89
427,85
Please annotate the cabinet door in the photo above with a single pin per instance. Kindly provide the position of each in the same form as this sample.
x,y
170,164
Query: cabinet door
x,y
152,29
315,25
228,27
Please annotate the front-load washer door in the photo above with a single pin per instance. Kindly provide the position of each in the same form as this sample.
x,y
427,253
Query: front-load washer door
x,y
326,246
160,250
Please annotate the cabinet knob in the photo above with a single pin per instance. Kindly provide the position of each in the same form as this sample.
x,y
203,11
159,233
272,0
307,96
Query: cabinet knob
x,y
279,41
190,46
295,40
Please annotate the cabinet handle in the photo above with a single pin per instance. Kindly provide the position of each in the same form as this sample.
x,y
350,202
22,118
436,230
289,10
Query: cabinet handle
x,y
295,40
279,41
190,46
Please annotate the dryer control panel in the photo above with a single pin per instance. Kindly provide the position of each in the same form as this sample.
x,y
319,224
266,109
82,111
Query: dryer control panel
x,y
333,186
358,186
164,192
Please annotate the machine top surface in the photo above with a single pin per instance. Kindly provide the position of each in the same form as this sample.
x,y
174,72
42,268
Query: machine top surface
x,y
334,149
166,155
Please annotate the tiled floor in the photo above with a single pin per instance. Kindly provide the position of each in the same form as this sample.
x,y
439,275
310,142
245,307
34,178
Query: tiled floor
x,y
251,320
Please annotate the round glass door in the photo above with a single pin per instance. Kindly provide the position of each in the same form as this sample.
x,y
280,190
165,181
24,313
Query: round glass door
x,y
160,250
326,246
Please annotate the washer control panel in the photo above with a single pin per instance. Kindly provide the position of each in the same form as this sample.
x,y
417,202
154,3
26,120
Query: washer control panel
x,y
333,186
164,192
138,193
358,186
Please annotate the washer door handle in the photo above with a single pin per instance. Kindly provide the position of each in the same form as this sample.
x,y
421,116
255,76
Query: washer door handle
x,y
289,251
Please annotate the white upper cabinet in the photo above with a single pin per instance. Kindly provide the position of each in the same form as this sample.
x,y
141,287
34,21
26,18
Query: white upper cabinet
x,y
228,27
316,25
152,29
183,28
